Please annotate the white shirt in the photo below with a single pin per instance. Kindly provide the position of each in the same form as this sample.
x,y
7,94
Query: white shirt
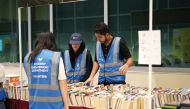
x,y
62,74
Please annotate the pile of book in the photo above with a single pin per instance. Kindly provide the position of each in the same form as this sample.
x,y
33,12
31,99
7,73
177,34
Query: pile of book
x,y
108,97
167,95
124,96
111,96
13,90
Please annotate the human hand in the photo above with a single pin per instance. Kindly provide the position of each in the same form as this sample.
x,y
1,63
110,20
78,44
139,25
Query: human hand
x,y
123,69
66,107
88,81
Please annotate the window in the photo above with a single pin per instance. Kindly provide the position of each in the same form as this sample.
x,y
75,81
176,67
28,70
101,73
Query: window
x,y
78,17
8,31
122,22
172,17
125,19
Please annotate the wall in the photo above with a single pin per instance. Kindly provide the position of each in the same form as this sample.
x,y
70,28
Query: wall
x,y
165,79
161,77
13,69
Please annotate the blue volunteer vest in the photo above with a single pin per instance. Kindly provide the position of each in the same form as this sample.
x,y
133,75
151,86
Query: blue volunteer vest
x,y
75,74
44,90
3,94
109,67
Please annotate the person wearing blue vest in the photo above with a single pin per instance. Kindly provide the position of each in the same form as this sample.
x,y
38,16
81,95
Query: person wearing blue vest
x,y
3,94
112,57
77,60
46,75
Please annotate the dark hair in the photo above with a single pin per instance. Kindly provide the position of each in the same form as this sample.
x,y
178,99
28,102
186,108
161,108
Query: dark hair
x,y
45,40
79,51
101,28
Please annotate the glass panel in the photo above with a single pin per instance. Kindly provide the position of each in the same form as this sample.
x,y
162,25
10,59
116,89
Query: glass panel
x,y
89,8
128,17
64,10
40,21
123,22
127,6
63,32
180,46
174,32
161,4
179,3
81,17
85,27
8,31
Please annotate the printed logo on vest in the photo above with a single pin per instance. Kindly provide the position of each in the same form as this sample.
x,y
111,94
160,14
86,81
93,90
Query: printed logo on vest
x,y
40,59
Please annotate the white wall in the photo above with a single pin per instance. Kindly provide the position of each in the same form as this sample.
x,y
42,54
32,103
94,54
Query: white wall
x,y
164,79
161,77
13,68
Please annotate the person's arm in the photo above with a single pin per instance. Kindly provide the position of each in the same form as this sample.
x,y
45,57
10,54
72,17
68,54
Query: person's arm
x,y
89,65
125,53
63,84
94,71
123,69
65,97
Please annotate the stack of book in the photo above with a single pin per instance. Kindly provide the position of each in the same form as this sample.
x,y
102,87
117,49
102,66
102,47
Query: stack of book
x,y
106,97
167,95
13,90
124,96
112,96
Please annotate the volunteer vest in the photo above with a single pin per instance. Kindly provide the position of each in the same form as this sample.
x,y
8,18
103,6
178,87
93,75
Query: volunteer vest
x,y
75,74
109,67
44,90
